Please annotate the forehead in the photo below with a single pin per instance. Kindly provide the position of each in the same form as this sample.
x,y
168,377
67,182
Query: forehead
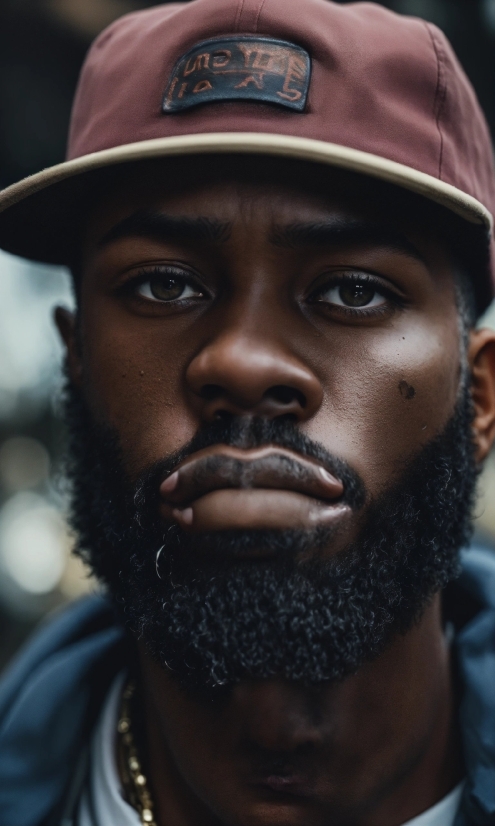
x,y
260,191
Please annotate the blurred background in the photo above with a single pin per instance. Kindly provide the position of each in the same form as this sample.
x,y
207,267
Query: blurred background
x,y
42,46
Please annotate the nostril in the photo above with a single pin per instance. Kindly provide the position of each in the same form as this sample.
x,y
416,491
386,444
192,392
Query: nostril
x,y
223,415
278,400
283,394
210,392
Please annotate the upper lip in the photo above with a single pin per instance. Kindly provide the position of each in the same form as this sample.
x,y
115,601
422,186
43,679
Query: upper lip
x,y
223,466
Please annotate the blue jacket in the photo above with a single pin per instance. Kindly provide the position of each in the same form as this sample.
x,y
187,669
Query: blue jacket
x,y
51,695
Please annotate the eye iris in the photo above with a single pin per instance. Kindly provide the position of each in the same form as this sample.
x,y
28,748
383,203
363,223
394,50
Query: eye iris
x,y
356,295
166,288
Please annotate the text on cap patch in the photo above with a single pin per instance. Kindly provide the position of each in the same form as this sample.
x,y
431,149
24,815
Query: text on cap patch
x,y
240,68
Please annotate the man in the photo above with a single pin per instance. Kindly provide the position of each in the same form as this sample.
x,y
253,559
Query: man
x,y
278,219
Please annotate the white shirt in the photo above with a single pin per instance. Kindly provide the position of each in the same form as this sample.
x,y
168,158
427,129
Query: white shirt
x,y
442,814
102,803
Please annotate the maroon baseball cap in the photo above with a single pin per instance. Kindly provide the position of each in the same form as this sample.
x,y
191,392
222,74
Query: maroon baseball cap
x,y
353,86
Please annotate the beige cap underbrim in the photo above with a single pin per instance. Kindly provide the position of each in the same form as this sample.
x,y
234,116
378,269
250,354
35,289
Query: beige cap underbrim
x,y
27,206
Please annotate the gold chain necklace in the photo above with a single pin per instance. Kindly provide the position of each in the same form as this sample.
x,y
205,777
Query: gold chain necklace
x,y
134,781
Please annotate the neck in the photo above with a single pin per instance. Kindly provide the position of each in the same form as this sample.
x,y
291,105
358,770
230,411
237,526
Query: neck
x,y
375,750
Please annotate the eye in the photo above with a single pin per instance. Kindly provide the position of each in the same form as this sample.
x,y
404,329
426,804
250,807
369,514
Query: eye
x,y
169,285
353,292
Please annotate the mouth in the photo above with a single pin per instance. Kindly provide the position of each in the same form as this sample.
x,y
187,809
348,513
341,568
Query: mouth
x,y
285,781
268,488
293,785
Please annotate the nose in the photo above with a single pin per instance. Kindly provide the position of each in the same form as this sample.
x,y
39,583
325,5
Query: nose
x,y
277,717
239,375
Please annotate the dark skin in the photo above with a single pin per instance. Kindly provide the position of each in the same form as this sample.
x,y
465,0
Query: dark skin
x,y
177,326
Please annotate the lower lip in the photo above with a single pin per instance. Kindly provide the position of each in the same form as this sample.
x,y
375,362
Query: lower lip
x,y
256,508
286,784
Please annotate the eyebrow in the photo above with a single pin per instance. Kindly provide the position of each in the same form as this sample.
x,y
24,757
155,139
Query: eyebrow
x,y
145,223
342,233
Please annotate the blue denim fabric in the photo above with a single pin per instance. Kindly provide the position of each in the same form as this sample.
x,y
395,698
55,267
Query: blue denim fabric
x,y
49,699
51,695
475,645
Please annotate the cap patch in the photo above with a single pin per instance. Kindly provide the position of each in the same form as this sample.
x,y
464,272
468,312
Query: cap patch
x,y
240,68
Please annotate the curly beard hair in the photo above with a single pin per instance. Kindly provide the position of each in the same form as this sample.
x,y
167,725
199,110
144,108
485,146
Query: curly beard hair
x,y
214,619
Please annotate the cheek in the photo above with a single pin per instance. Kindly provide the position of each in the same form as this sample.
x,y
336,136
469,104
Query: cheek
x,y
383,402
133,376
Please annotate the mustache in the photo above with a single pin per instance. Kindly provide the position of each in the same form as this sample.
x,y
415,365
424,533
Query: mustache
x,y
248,433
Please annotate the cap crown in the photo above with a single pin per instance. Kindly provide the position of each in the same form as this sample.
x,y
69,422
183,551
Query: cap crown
x,y
380,82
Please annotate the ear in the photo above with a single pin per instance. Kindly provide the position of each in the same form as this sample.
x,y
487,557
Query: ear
x,y
481,357
66,322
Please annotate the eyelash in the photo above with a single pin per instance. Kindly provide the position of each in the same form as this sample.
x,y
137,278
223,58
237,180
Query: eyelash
x,y
345,279
130,287
338,280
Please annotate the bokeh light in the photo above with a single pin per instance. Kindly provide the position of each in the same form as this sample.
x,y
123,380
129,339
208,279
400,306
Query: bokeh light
x,y
33,544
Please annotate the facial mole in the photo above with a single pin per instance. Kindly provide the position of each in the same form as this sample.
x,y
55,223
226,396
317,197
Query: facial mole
x,y
406,390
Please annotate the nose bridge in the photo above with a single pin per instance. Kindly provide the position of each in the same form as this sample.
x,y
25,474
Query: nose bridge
x,y
248,364
253,334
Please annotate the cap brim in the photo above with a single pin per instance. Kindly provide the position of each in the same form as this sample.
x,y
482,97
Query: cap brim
x,y
37,215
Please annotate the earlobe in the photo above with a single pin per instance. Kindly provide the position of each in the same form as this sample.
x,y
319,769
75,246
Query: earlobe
x,y
482,363
65,321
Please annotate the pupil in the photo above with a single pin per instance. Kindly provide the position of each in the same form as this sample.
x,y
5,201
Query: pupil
x,y
166,289
356,295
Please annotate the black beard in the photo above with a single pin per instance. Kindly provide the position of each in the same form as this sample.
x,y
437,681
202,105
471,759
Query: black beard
x,y
213,619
